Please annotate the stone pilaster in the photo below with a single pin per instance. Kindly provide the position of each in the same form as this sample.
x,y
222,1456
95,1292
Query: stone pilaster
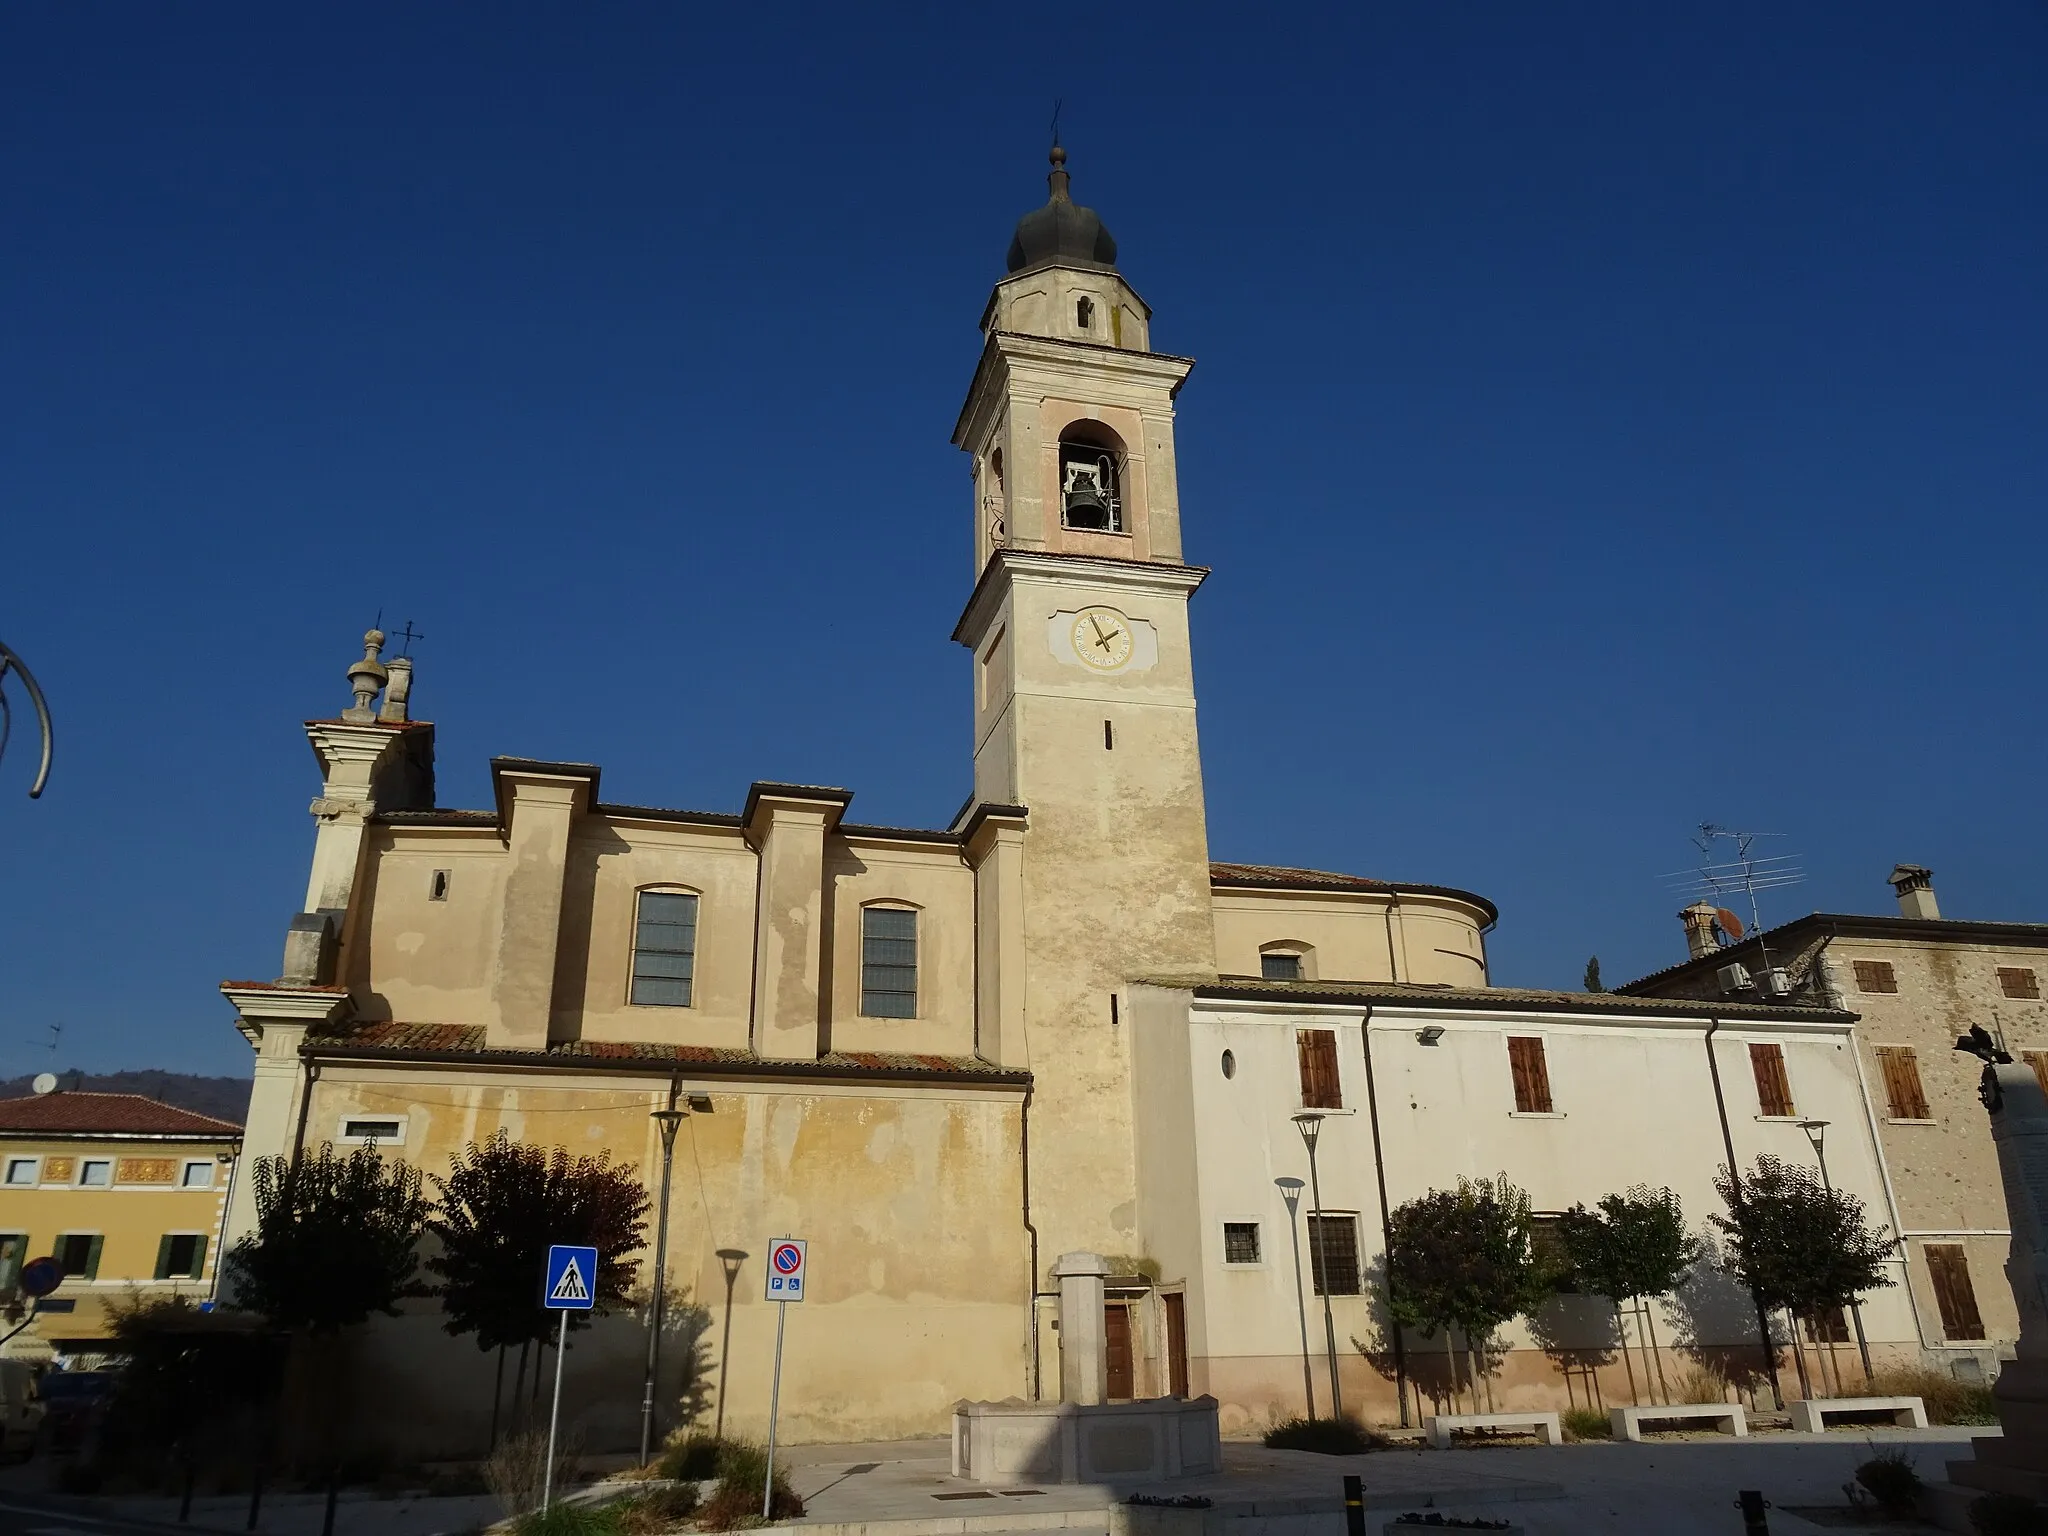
x,y
995,851
787,825
538,804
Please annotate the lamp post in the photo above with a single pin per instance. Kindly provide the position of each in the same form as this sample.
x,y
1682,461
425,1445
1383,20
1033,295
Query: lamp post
x,y
1290,1191
1310,1123
666,1121
1816,1131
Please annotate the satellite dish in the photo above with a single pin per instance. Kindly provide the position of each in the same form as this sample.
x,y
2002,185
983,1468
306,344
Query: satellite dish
x,y
46,1082
1729,923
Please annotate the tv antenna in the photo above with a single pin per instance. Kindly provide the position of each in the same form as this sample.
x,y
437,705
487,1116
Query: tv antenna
x,y
56,1038
1723,880
406,638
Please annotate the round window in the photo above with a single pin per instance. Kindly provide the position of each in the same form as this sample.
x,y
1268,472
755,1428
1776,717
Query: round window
x,y
1229,1064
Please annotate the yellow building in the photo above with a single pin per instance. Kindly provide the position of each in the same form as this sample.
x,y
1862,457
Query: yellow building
x,y
126,1193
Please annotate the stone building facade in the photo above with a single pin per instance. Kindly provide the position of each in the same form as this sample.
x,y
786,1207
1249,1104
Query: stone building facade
x,y
1917,981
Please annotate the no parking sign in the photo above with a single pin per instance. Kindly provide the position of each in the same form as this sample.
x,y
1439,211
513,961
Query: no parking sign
x,y
786,1259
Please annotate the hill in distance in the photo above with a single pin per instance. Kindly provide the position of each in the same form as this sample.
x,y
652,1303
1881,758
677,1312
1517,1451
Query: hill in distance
x,y
225,1098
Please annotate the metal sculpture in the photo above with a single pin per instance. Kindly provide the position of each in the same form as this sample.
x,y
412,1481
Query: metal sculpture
x,y
11,662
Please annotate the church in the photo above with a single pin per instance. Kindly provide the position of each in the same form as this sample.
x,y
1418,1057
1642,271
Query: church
x,y
946,1056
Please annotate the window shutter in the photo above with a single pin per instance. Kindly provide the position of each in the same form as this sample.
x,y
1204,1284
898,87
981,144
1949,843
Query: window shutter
x,y
163,1256
2038,1060
1531,1073
2018,981
199,1257
1876,976
1773,1092
1902,1082
92,1257
1317,1049
1953,1293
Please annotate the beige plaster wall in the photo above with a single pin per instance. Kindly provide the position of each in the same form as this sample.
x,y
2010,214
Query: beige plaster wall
x,y
1362,936
911,1199
417,959
935,881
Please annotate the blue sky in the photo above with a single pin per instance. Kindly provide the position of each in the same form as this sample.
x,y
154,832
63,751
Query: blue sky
x,y
1607,417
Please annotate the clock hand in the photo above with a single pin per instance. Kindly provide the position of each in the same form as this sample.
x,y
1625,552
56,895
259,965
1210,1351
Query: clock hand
x,y
1096,624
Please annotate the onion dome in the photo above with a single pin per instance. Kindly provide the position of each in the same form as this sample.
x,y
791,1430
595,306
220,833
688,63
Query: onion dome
x,y
1062,233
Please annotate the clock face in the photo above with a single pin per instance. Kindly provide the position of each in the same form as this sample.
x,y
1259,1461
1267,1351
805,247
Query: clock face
x,y
1102,638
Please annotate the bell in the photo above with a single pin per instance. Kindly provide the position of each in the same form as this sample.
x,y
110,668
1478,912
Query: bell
x,y
1085,504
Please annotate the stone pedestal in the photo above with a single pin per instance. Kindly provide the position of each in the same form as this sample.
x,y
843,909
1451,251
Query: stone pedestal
x,y
2018,1461
1084,1336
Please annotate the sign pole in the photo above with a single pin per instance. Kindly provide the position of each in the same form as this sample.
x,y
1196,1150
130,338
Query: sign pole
x,y
774,1406
547,1492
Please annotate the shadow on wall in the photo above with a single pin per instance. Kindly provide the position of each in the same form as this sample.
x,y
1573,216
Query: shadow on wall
x,y
1714,1318
1442,1375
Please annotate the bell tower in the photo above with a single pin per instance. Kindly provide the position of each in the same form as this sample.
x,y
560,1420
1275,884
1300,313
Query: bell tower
x,y
1084,690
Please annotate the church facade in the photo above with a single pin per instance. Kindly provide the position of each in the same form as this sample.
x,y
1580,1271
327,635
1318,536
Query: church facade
x,y
945,1056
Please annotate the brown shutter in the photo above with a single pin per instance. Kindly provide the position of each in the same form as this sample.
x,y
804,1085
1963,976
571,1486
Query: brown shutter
x,y
1902,1082
2018,981
1319,1085
2038,1060
1953,1292
1876,976
1773,1092
1531,1073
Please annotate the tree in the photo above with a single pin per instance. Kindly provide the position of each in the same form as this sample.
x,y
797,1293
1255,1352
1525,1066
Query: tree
x,y
335,1240
1463,1257
1593,981
502,1205
1798,1244
1633,1245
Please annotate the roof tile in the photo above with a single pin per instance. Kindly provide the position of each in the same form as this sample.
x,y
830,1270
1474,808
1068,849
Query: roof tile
x,y
124,1114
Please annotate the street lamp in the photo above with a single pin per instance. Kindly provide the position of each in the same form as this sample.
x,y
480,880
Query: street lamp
x,y
1310,1123
1816,1131
1290,1191
667,1121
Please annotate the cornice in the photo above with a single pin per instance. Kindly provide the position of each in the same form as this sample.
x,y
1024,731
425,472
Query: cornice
x,y
1148,576
1014,352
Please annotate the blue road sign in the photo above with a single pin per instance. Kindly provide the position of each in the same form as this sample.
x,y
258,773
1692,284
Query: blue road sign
x,y
571,1284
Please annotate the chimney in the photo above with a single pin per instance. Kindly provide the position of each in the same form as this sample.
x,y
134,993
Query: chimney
x,y
1915,886
1699,929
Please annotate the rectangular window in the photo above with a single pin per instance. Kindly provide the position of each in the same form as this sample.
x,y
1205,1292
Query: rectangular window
x,y
2038,1060
197,1176
21,1170
1902,1090
664,949
1240,1242
1953,1292
1333,1253
1773,1091
96,1172
1320,1088
1280,966
180,1256
1531,1073
888,963
2018,981
1876,976
79,1254
372,1130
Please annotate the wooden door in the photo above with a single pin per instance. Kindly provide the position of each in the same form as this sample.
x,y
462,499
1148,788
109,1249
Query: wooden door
x,y
1176,1343
1116,1324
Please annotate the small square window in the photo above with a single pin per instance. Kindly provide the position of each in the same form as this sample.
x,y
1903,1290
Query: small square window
x,y
78,1254
1240,1242
1876,976
22,1170
2018,981
96,1172
1280,965
198,1175
181,1256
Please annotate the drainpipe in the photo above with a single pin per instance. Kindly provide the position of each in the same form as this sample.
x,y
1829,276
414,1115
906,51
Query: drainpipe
x,y
1031,1304
305,1108
1763,1321
1379,1169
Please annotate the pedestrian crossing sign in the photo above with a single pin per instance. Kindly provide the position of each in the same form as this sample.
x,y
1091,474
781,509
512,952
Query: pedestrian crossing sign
x,y
571,1284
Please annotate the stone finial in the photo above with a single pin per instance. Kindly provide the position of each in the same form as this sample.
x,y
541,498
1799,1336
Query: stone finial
x,y
1057,180
397,690
1699,919
366,677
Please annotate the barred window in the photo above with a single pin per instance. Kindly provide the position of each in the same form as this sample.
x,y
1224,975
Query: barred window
x,y
1240,1242
664,949
888,963
1333,1253
1280,965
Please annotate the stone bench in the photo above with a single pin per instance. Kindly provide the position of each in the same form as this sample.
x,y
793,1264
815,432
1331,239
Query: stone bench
x,y
1438,1426
1627,1423
1812,1414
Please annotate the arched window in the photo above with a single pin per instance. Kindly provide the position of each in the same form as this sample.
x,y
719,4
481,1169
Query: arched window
x,y
664,948
1091,478
888,962
1286,960
1084,313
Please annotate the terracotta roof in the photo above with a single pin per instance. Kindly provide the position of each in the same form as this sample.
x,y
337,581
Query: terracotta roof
x,y
1283,877
113,1114
1934,930
466,1042
1255,989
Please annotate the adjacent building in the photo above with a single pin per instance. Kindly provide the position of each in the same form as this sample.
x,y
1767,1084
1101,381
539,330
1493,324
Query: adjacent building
x,y
947,1055
127,1193
1917,980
